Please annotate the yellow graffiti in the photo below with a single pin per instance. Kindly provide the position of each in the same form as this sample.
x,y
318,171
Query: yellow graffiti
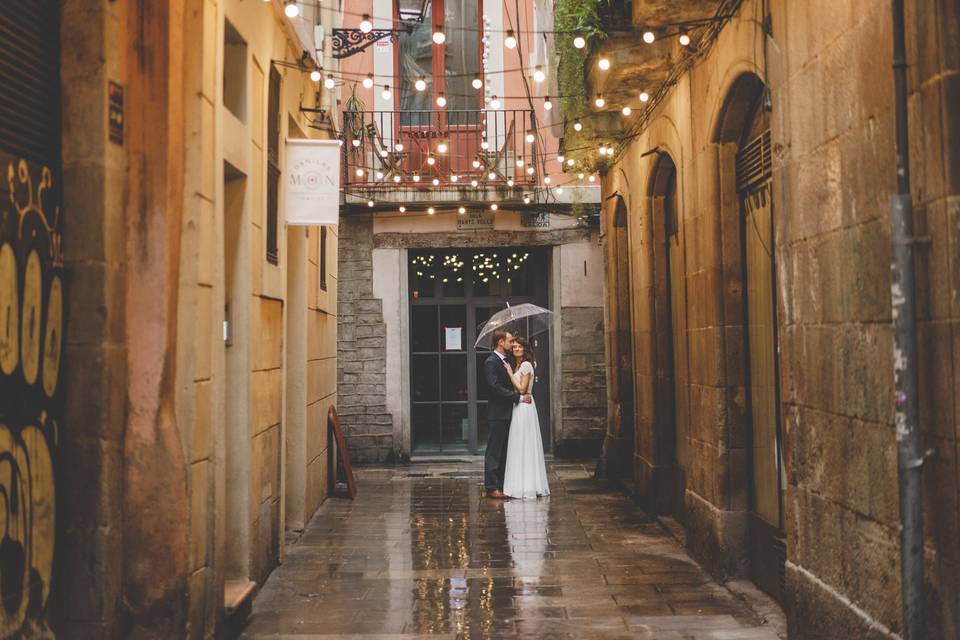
x,y
9,311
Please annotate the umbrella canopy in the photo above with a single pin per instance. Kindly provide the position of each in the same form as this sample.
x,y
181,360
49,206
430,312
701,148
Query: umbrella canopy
x,y
525,320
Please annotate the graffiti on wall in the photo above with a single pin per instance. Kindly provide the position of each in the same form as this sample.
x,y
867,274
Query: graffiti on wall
x,y
31,342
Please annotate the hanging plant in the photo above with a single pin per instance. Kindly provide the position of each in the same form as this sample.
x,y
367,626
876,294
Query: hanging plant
x,y
353,110
576,18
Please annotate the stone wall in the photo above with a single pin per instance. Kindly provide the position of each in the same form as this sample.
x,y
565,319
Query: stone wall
x,y
361,348
583,376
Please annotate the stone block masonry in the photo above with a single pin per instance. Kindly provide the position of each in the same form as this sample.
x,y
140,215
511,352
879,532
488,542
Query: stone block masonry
x,y
361,348
583,403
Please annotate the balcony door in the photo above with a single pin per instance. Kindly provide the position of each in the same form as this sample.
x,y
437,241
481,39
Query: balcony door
x,y
448,70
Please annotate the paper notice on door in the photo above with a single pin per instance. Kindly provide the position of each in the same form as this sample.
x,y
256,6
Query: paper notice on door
x,y
453,339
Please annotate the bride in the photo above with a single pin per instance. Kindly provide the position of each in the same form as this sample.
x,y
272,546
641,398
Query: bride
x,y
526,472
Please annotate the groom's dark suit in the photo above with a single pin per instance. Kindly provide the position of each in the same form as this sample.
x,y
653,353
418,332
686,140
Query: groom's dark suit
x,y
499,411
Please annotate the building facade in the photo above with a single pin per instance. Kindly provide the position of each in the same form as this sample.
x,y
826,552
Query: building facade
x,y
748,295
455,204
163,413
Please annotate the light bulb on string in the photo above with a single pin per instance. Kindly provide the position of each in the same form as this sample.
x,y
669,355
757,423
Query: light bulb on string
x,y
396,178
580,175
439,37
477,82
436,182
379,175
291,10
403,209
684,38
526,199
330,83
510,42
356,142
420,84
495,103
492,176
359,172
579,42
431,210
547,105
604,64
454,178
559,189
474,183
462,210
577,125
441,100
370,203
316,76
569,162
386,94
368,81
531,136
509,182
476,163
626,111
529,169
649,36
644,96
592,178
561,158
547,180
538,74
520,162
442,147
493,206
399,146
431,160
416,177
366,26
484,145
599,101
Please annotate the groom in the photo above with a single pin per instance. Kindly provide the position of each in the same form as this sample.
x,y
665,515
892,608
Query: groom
x,y
499,411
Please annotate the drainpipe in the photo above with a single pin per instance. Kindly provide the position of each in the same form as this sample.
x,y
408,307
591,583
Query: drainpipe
x,y
903,295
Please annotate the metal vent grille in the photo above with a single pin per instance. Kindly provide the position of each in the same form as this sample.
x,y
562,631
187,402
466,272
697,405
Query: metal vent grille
x,y
30,77
754,162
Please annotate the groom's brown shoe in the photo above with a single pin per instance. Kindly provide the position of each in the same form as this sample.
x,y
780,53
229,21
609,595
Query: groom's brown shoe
x,y
496,493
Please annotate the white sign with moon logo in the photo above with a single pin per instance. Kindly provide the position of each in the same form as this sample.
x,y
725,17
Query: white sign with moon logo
x,y
312,194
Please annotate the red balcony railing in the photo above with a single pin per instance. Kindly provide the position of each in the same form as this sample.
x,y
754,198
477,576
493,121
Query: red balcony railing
x,y
431,149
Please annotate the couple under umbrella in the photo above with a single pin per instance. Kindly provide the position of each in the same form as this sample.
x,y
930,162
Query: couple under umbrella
x,y
514,466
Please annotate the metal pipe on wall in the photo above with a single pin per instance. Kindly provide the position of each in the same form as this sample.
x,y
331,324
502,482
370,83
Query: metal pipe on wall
x,y
903,295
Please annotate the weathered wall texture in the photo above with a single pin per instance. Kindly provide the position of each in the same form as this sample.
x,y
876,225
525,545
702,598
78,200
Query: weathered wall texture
x,y
828,68
147,539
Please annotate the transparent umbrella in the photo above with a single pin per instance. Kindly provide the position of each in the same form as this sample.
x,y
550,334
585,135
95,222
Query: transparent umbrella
x,y
525,320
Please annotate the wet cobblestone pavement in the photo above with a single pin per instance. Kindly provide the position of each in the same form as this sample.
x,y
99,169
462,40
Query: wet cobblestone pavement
x,y
421,554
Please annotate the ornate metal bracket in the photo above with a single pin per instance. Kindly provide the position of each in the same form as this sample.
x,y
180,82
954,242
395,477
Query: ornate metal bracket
x,y
348,42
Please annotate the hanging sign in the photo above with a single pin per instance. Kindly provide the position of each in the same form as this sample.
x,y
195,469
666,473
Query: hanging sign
x,y
312,194
475,221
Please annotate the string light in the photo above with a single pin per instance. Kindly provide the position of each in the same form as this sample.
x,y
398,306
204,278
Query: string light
x,y
561,158
454,178
592,178
526,199
436,182
484,145
538,74
399,146
365,25
600,102
649,37
577,125
580,175
474,183
431,210
627,110
386,95
330,83
509,182
510,42
684,38
546,180
442,147
403,209
356,142
368,81
529,169
416,177
492,175
396,178
420,84
462,210
531,136
476,163
520,162
477,82
441,100
579,42
316,76
569,162
559,189
495,103
370,203
379,175
602,150
547,105
494,207
439,37
431,160
291,9
644,96
359,172
604,64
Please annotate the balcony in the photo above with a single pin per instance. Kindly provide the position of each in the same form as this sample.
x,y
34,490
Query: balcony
x,y
439,155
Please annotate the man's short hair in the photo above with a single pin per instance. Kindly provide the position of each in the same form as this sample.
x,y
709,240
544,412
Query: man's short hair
x,y
499,335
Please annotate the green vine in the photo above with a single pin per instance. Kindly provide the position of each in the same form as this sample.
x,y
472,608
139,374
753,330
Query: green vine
x,y
578,17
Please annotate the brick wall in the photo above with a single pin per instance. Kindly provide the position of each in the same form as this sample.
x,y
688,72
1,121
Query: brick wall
x,y
361,348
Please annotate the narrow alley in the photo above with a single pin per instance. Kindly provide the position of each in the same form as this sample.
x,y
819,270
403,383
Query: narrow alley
x,y
421,553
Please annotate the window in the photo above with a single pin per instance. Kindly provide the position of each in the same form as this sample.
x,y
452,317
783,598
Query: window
x,y
448,68
273,166
234,72
323,258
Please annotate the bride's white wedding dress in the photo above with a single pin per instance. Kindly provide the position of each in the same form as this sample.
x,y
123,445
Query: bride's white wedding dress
x,y
525,475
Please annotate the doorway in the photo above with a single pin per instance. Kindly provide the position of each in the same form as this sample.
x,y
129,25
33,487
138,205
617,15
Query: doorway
x,y
452,293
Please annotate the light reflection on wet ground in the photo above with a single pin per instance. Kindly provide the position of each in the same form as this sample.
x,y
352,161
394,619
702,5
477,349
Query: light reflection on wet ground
x,y
421,553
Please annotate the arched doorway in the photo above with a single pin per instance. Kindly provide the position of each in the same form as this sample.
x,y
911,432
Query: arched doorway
x,y
669,342
744,130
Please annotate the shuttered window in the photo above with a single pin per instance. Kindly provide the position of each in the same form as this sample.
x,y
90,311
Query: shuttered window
x,y
273,166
